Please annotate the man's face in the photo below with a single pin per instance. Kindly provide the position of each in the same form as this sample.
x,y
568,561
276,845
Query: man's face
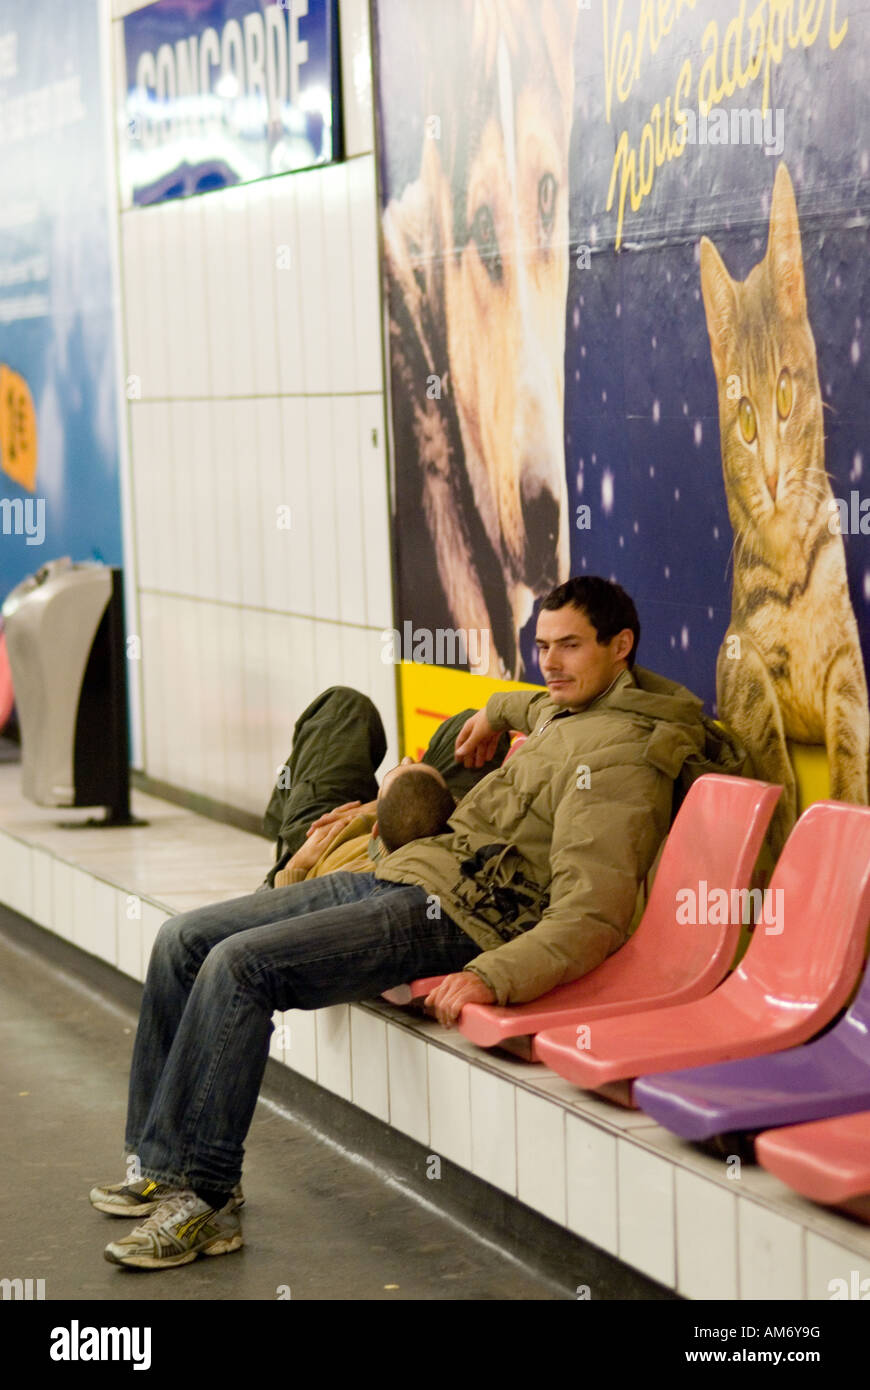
x,y
575,666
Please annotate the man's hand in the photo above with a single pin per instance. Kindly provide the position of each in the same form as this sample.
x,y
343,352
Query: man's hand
x,y
446,1001
477,741
343,815
308,853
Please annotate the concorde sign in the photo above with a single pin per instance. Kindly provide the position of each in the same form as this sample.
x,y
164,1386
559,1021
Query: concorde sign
x,y
226,91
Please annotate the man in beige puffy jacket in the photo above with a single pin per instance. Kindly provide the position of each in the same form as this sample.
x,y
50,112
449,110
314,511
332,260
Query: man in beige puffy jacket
x,y
533,884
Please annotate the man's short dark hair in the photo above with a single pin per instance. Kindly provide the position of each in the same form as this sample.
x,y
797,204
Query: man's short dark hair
x,y
607,606
413,805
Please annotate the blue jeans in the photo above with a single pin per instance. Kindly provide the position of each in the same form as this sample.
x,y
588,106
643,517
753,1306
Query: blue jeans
x,y
216,976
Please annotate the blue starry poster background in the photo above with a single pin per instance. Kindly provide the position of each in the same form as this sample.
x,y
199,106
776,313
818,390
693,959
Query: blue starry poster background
x,y
642,425
641,414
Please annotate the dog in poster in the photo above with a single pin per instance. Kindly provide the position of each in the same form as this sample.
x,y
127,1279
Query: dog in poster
x,y
476,261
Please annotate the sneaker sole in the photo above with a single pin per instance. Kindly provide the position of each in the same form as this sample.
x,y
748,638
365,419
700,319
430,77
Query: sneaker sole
x,y
143,1208
225,1246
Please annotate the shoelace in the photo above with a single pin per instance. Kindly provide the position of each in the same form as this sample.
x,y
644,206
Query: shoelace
x,y
169,1209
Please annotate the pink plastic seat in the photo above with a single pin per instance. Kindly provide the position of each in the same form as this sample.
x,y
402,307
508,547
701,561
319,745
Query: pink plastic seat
x,y
825,1160
795,976
716,837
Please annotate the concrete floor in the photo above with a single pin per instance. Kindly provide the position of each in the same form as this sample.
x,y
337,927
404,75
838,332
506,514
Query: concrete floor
x,y
315,1222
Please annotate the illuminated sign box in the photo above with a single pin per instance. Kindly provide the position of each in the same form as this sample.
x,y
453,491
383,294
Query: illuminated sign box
x,y
222,92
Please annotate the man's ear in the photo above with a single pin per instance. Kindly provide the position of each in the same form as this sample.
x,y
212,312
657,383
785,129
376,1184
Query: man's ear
x,y
375,828
625,639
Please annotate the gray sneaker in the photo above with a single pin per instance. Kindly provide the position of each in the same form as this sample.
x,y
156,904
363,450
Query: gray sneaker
x,y
181,1229
142,1197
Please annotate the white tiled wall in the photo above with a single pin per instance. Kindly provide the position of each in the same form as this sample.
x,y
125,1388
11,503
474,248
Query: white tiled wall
x,y
253,362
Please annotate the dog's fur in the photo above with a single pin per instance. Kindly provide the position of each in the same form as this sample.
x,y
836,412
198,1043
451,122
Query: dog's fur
x,y
476,257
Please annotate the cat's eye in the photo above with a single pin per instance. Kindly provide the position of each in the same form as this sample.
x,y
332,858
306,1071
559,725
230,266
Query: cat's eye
x,y
784,394
748,426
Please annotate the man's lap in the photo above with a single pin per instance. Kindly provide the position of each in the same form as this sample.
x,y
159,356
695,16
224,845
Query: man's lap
x,y
333,939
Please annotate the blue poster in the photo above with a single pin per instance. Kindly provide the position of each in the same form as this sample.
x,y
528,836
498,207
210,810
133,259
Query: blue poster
x,y
59,479
222,92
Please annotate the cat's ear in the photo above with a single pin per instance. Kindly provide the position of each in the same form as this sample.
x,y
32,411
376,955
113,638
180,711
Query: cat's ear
x,y
784,247
717,287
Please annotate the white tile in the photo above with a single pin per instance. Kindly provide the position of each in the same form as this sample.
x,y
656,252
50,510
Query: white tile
x,y
300,572
152,920
210,709
288,294
62,896
42,882
368,347
449,1107
263,272
135,328
141,456
182,497
356,77
192,249
103,929
175,345
375,506
348,510
15,874
591,1183
128,924
300,1041
646,1212
541,1155
706,1238
247,440
368,1051
227,480
333,1049
770,1254
239,290
381,689
255,670
155,715
339,278
230,636
217,278
203,519
83,910
162,538
276,537
835,1273
328,656
322,506
409,1083
313,273
493,1129
280,693
152,348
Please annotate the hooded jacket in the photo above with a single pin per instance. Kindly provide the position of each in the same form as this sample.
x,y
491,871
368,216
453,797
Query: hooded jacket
x,y
544,857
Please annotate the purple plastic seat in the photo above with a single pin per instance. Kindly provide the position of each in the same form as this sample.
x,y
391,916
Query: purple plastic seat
x,y
830,1076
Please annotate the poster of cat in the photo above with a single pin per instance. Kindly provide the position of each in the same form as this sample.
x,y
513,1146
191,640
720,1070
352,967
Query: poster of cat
x,y
704,237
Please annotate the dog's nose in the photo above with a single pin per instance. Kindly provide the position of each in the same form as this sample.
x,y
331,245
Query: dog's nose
x,y
541,523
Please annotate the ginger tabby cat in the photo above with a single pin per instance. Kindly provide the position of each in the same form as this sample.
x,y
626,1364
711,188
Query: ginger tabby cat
x,y
790,666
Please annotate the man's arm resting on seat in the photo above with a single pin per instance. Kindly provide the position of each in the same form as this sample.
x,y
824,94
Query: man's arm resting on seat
x,y
605,839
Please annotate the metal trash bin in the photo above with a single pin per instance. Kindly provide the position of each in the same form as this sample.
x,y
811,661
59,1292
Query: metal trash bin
x,y
66,643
